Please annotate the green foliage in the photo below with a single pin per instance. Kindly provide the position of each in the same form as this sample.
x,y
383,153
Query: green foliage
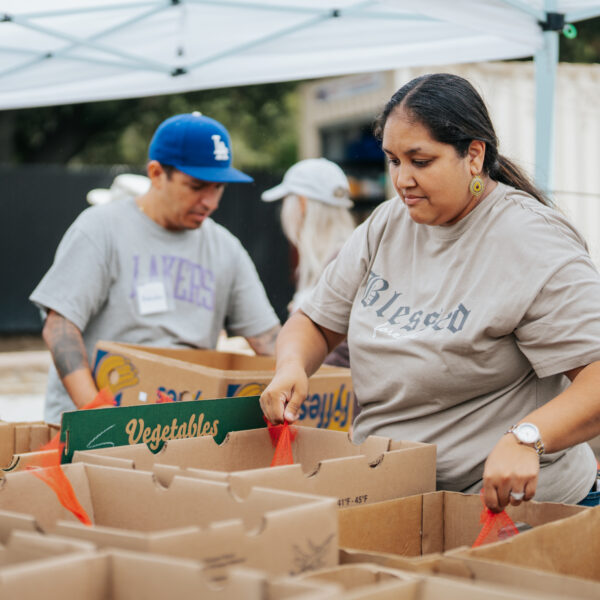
x,y
260,118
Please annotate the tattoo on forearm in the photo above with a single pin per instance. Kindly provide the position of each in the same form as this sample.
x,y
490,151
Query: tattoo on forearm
x,y
66,345
265,342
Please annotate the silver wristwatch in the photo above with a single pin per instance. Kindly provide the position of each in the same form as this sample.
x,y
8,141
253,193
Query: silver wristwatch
x,y
529,435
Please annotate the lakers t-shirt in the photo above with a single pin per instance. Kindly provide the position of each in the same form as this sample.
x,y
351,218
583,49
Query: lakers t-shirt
x,y
119,276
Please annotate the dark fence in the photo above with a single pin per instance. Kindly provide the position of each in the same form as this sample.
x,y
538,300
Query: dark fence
x,y
40,202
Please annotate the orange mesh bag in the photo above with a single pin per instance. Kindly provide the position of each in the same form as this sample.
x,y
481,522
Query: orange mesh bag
x,y
103,399
282,437
50,472
495,527
162,397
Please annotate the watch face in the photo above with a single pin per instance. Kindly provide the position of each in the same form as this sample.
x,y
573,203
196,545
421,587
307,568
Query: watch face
x,y
527,433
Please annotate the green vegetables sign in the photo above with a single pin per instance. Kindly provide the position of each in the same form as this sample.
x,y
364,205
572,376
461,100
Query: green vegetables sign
x,y
154,424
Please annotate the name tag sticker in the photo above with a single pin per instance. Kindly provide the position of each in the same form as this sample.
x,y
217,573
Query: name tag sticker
x,y
152,298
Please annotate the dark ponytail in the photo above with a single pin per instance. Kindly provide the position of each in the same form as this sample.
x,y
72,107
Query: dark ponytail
x,y
505,171
454,113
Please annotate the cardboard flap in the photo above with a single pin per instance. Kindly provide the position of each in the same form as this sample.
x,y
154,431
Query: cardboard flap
x,y
7,443
375,445
137,500
393,526
206,362
517,577
155,577
109,537
570,546
11,521
22,438
538,513
69,576
119,574
352,576
309,447
39,434
26,459
22,492
462,519
312,445
432,522
90,458
26,546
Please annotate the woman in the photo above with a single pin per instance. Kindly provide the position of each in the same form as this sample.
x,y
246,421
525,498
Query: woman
x,y
316,219
468,304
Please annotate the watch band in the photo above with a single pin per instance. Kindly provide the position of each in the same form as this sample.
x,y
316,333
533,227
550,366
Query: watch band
x,y
538,445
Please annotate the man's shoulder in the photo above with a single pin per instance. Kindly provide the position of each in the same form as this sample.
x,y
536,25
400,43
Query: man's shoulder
x,y
101,214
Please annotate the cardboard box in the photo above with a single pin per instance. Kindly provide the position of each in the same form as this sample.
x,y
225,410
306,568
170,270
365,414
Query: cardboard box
x,y
17,440
121,575
352,576
326,463
426,524
25,547
437,589
135,373
373,582
277,531
568,547
480,571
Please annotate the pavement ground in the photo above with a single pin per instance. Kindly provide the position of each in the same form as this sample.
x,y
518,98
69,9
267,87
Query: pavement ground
x,y
23,373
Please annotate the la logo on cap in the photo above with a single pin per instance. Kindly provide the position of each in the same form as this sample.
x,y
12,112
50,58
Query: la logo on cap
x,y
221,150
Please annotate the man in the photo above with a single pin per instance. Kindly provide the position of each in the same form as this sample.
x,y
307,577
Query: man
x,y
154,269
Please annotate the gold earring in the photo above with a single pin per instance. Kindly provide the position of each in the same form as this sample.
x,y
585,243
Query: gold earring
x,y
476,186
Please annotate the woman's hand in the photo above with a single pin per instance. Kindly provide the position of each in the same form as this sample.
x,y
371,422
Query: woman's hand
x,y
510,467
283,397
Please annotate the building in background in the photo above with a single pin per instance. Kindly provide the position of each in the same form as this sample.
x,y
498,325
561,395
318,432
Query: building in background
x,y
337,116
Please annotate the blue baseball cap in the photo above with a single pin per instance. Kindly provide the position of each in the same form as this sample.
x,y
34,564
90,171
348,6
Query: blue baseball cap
x,y
198,146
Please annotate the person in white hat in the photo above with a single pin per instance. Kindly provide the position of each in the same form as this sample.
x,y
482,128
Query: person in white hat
x,y
316,219
125,185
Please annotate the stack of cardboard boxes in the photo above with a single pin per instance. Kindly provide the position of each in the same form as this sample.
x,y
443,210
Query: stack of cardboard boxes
x,y
196,518
21,442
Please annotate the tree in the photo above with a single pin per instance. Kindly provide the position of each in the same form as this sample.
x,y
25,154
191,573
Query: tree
x,y
260,118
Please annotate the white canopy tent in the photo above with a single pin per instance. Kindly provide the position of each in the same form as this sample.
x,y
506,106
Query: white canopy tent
x,y
68,51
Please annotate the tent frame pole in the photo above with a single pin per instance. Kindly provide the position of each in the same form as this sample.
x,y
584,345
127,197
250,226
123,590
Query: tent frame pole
x,y
546,60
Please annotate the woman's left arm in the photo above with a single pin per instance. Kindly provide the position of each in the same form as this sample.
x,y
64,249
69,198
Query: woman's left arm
x,y
569,419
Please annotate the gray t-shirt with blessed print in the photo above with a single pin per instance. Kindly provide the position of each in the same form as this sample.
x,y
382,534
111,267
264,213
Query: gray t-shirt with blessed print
x,y
458,332
118,275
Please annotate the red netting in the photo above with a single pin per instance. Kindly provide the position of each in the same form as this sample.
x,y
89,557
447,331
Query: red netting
x,y
48,467
162,397
103,398
496,527
51,473
282,437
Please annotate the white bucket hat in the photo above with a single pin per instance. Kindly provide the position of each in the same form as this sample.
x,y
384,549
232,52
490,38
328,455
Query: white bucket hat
x,y
317,179
126,185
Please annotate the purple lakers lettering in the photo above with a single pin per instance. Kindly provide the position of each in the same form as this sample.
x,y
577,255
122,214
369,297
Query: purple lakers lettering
x,y
184,280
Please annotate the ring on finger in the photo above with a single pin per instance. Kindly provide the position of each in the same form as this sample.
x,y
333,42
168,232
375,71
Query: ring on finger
x,y
517,495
